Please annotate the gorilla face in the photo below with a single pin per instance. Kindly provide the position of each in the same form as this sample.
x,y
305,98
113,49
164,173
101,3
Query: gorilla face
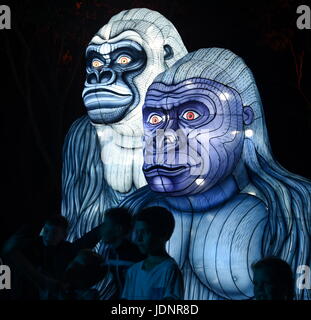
x,y
193,135
109,91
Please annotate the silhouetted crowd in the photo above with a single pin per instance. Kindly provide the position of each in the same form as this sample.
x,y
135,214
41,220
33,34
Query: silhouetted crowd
x,y
134,266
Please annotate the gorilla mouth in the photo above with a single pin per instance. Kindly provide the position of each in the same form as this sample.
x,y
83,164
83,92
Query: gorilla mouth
x,y
105,90
164,168
105,100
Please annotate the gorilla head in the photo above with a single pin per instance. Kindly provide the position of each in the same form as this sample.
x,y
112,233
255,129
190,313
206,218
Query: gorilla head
x,y
193,132
122,60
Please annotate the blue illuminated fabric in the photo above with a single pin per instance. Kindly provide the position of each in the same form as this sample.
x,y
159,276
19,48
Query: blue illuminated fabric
x,y
241,205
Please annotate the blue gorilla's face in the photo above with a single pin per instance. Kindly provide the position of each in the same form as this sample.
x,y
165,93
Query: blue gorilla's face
x,y
193,135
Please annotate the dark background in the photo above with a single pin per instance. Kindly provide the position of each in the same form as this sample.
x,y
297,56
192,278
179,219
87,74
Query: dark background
x,y
42,76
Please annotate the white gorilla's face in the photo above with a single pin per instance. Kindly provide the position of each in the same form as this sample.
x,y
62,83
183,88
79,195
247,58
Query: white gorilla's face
x,y
123,59
109,91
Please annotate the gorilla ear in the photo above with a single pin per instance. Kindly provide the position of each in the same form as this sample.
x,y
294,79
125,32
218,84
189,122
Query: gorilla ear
x,y
168,52
248,115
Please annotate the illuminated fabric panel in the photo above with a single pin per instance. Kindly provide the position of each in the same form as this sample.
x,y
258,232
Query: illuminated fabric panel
x,y
208,160
102,154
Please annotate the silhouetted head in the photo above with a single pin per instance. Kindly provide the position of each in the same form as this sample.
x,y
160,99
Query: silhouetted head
x,y
54,230
85,270
117,225
273,279
153,227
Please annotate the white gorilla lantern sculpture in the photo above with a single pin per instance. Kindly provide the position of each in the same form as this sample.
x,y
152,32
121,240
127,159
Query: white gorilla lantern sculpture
x,y
208,160
102,155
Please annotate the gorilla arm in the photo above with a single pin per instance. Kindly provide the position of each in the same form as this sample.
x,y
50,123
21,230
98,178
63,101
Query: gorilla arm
x,y
85,192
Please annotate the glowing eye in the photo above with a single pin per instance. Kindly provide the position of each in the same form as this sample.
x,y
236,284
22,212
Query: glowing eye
x,y
190,115
124,60
155,119
97,64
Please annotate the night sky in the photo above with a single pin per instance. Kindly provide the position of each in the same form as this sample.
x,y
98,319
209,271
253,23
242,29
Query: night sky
x,y
42,76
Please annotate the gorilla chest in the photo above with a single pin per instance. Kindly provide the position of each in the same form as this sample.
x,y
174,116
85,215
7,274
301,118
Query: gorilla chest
x,y
224,242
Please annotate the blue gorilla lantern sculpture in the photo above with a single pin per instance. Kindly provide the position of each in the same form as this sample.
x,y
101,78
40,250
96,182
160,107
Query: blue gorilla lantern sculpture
x,y
207,158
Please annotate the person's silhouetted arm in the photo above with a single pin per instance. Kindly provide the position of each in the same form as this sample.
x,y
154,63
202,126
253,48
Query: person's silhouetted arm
x,y
89,240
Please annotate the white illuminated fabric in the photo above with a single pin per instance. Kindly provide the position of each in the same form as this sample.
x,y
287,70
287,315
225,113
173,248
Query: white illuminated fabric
x,y
152,31
102,162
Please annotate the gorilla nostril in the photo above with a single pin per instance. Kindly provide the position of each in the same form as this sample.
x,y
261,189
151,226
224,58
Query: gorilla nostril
x,y
106,76
92,79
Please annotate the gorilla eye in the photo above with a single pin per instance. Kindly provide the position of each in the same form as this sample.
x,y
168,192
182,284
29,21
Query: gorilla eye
x,y
155,119
124,60
190,115
97,64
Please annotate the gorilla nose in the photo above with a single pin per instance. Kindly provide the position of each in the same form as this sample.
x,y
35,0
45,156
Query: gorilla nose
x,y
107,77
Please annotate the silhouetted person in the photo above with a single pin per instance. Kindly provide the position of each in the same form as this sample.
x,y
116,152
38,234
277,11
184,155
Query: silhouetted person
x,y
82,273
121,252
158,276
273,280
41,260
